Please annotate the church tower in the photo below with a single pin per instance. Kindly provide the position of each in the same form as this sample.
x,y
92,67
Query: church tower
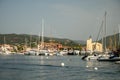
x,y
89,44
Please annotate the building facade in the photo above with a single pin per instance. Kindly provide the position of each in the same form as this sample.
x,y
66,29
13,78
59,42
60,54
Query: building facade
x,y
93,46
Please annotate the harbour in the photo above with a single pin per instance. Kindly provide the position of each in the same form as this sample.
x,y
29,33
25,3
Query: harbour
x,y
21,67
60,40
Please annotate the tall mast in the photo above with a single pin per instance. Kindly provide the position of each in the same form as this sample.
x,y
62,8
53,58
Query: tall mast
x,y
115,45
42,39
105,31
39,38
4,40
100,31
25,44
4,43
38,42
30,41
118,36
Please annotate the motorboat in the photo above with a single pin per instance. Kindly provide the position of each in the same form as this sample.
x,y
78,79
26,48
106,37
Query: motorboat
x,y
43,52
31,52
109,59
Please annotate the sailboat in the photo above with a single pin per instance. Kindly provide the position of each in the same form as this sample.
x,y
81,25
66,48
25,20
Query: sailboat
x,y
30,51
107,57
41,48
93,54
5,51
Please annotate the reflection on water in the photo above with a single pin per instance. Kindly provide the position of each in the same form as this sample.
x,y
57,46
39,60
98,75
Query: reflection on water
x,y
19,67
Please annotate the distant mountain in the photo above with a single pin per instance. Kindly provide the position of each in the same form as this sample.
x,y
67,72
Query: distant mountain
x,y
112,41
22,38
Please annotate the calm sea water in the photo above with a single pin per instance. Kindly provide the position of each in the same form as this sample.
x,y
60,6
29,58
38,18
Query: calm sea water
x,y
20,67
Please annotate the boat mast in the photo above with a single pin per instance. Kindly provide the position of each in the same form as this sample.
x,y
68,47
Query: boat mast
x,y
4,44
30,41
105,31
115,46
100,31
38,42
103,39
42,37
119,36
4,40
25,44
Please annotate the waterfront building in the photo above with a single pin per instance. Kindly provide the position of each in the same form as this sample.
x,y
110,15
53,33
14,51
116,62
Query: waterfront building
x,y
93,46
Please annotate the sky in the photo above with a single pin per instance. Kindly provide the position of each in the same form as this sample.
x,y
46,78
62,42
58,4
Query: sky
x,y
72,19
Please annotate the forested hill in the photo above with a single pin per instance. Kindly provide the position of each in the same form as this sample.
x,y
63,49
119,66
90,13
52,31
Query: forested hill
x,y
22,38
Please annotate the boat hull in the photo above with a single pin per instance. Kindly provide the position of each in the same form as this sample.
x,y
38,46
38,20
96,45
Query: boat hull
x,y
114,59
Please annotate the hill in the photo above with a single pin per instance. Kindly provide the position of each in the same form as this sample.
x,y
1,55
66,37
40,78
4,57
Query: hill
x,y
82,42
23,38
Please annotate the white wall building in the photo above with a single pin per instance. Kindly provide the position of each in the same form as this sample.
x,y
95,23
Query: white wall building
x,y
93,46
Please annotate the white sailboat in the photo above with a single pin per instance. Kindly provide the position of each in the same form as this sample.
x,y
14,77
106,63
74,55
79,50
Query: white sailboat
x,y
41,48
95,55
107,57
5,51
29,51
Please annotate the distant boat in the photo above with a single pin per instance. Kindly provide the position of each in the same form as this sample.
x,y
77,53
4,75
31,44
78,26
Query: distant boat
x,y
31,52
5,51
63,52
88,57
41,48
113,56
109,59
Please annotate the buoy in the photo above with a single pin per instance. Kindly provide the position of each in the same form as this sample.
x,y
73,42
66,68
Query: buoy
x,y
62,64
96,68
87,66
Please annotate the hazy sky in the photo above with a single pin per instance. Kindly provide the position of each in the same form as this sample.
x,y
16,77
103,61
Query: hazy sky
x,y
73,19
